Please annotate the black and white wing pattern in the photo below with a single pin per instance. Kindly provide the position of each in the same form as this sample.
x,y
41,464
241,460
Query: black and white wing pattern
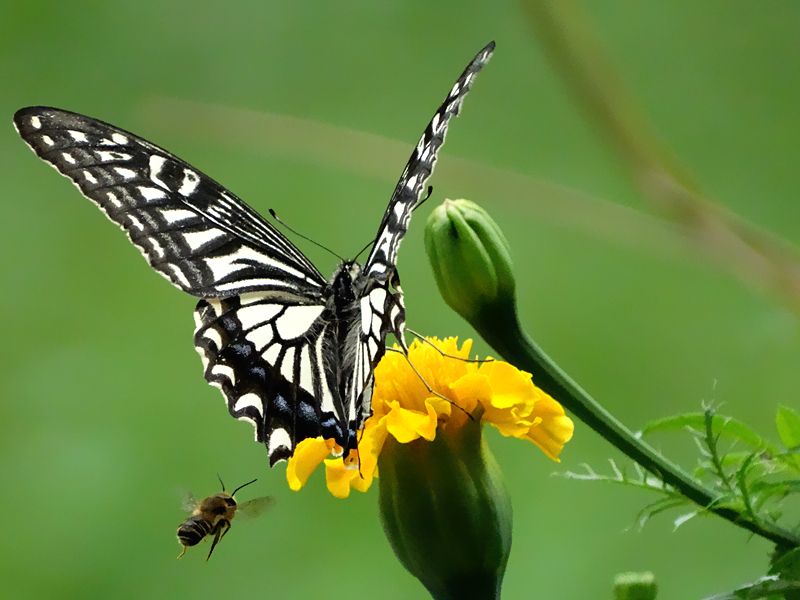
x,y
382,308
272,361
383,257
190,229
210,244
293,354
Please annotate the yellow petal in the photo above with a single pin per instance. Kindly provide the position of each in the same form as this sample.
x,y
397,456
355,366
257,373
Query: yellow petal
x,y
338,477
362,484
510,386
515,428
369,448
407,425
308,454
507,412
359,469
471,389
555,428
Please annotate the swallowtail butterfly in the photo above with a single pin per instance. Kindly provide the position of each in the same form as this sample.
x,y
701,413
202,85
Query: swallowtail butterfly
x,y
292,352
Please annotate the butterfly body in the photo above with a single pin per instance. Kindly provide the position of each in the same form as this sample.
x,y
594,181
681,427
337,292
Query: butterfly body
x,y
294,353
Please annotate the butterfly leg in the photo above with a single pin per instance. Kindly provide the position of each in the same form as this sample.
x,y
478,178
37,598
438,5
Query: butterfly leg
x,y
425,340
426,384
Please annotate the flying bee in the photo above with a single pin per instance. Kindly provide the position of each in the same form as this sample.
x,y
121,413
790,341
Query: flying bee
x,y
213,515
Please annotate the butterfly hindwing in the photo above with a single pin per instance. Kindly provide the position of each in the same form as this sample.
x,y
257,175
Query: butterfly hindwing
x,y
190,229
381,311
272,362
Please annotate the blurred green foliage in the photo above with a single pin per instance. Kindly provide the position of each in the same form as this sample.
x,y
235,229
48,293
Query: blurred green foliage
x,y
104,416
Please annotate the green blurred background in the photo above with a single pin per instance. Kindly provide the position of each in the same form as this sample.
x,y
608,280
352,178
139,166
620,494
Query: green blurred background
x,y
312,108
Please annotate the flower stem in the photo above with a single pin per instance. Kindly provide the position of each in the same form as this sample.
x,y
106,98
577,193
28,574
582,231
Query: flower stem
x,y
754,255
507,337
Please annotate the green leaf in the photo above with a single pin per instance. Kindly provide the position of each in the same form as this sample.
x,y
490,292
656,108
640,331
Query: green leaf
x,y
731,460
787,421
772,491
787,564
684,518
726,426
761,588
659,506
785,486
790,459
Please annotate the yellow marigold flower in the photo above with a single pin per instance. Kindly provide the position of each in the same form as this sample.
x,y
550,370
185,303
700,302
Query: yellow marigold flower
x,y
494,391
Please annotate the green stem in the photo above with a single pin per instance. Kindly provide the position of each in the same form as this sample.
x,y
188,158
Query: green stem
x,y
751,253
503,332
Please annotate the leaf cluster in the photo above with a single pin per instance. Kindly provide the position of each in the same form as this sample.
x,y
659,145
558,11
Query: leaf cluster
x,y
748,473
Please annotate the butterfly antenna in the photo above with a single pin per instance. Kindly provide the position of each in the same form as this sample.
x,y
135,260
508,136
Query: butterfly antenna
x,y
233,493
360,252
220,482
425,340
298,234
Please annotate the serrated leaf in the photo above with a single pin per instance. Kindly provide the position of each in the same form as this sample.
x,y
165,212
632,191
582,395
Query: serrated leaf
x,y
775,493
683,519
789,486
761,588
790,459
654,508
787,420
741,479
731,460
786,564
725,426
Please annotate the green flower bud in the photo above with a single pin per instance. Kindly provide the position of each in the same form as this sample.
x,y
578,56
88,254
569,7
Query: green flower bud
x,y
446,512
635,586
471,259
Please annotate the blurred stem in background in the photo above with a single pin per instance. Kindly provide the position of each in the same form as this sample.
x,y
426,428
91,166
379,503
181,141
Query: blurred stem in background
x,y
471,262
754,255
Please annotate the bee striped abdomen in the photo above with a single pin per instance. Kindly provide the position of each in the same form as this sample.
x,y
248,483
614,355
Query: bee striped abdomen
x,y
193,530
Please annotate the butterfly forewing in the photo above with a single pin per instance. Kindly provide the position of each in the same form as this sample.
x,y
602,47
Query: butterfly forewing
x,y
382,308
383,257
190,229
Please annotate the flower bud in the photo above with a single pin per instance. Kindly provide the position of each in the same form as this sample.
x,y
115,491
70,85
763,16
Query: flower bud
x,y
635,586
446,512
471,259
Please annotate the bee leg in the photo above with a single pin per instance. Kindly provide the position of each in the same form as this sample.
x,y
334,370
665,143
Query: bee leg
x,y
227,529
218,533
183,552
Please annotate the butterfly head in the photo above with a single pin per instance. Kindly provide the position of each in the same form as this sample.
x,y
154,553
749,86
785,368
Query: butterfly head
x,y
344,282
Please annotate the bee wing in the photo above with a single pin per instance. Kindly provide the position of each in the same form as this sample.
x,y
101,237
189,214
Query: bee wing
x,y
255,507
189,502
